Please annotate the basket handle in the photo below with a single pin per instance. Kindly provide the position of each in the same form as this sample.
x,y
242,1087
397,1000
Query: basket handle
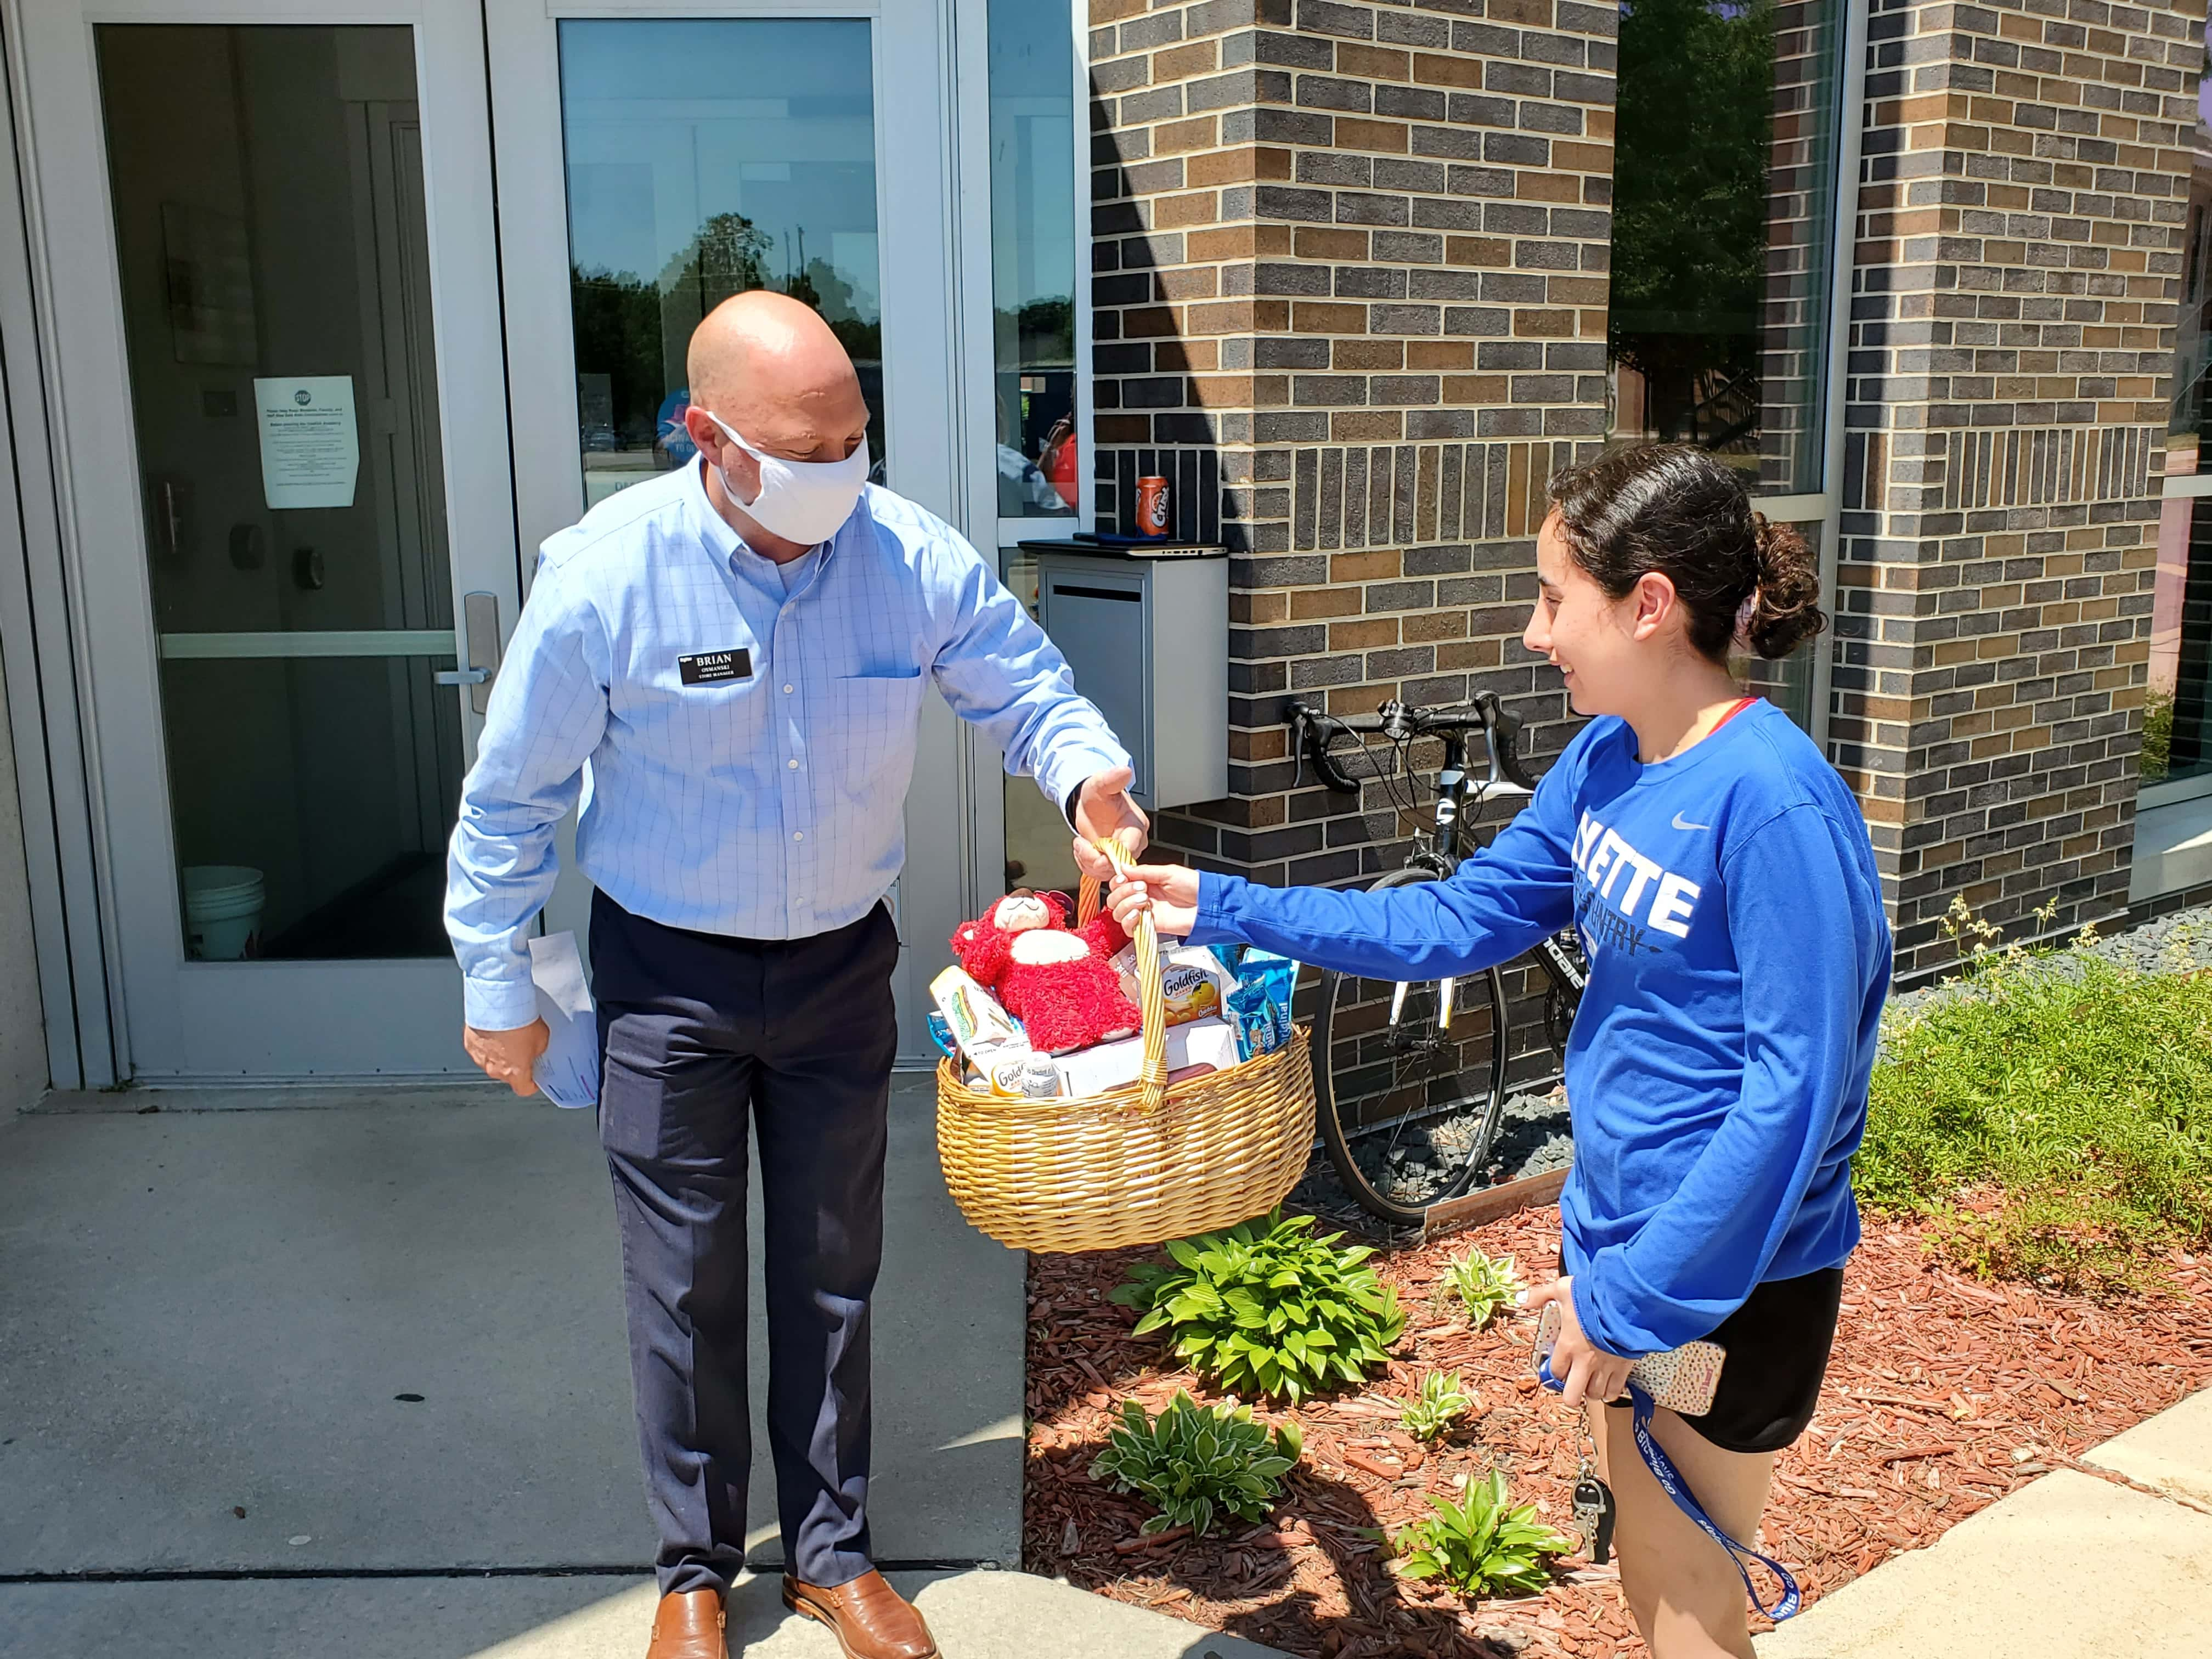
x,y
1151,999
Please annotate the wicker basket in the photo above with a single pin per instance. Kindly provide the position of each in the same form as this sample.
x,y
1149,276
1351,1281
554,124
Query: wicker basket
x,y
1140,1164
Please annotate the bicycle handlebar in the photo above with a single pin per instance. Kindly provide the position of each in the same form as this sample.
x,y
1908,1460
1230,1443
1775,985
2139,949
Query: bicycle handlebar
x,y
1311,732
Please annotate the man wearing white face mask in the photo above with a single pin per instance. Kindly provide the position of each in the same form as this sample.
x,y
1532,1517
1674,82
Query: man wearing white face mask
x,y
737,651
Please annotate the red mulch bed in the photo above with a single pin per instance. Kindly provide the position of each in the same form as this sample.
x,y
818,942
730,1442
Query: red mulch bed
x,y
1943,1395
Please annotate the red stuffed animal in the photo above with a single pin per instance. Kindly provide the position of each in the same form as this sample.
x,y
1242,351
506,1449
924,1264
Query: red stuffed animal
x,y
1059,982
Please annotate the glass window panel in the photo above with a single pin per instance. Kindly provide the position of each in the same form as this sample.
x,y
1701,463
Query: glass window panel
x,y
334,780
1724,225
1033,257
269,227
2178,700
1039,844
2186,452
705,158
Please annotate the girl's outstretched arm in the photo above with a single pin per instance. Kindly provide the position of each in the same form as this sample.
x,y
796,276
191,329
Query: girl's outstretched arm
x,y
1496,905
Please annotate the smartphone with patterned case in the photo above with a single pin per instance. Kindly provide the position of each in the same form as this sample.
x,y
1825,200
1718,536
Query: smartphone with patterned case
x,y
1684,1380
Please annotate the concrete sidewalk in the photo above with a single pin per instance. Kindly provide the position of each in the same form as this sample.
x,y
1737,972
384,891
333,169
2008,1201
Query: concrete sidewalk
x,y
2069,1566
346,1348
975,1615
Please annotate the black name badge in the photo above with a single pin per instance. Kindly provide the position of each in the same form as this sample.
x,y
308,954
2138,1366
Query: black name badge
x,y
707,667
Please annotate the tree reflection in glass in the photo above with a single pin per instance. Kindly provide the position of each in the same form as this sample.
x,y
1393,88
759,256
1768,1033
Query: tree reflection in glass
x,y
682,191
1724,204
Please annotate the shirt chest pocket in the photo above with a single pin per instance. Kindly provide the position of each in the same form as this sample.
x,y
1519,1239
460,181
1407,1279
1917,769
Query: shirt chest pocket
x,y
867,742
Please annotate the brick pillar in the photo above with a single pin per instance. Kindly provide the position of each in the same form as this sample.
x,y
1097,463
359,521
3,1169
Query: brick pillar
x,y
1355,256
2025,182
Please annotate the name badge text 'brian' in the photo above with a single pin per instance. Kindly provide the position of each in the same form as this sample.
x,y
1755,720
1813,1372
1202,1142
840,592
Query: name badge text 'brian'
x,y
705,667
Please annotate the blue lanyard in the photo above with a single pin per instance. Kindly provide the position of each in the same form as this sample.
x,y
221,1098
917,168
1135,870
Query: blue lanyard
x,y
1670,1481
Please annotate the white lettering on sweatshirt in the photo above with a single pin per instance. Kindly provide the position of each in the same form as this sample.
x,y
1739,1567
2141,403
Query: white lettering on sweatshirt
x,y
1603,857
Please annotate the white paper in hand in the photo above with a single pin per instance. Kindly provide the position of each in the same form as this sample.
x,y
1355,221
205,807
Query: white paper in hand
x,y
567,1072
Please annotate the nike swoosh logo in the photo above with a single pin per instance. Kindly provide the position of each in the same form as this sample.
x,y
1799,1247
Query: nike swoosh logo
x,y
1680,824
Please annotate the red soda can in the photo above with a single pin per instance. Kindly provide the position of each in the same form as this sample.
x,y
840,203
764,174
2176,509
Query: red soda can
x,y
1151,506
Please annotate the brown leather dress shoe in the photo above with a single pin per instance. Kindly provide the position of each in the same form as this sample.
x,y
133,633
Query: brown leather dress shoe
x,y
688,1625
871,1620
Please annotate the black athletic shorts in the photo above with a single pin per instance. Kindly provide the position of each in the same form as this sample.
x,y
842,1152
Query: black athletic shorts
x,y
1777,1346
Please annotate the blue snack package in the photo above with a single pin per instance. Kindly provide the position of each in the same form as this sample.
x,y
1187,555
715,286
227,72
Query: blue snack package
x,y
1260,1007
1229,953
940,1033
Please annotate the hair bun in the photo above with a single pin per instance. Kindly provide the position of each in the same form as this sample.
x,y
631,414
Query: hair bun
x,y
1785,604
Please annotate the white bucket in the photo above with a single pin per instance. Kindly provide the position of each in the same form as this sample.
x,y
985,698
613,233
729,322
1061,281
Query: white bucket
x,y
222,912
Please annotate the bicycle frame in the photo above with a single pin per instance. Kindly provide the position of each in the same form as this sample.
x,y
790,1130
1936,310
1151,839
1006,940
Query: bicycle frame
x,y
1441,850
1417,1065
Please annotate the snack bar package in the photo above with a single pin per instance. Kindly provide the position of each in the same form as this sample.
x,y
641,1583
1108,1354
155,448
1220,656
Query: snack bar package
x,y
1260,1006
972,1015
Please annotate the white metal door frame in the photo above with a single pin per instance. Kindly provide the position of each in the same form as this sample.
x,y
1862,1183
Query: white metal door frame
x,y
57,780
924,386
208,1020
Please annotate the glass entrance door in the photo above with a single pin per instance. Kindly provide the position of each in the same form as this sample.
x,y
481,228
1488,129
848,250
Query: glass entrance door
x,y
652,166
292,508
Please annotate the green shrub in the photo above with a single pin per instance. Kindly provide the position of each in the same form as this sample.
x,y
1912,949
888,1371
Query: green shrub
x,y
1483,1284
1266,1308
1442,1402
1481,1543
1192,1464
2051,1115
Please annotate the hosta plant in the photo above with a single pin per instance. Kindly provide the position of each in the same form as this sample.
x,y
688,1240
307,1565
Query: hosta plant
x,y
1483,1284
1442,1402
1481,1544
1192,1464
1266,1308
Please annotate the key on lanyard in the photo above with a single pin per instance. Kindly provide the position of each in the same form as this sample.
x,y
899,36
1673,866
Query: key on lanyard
x,y
1594,1506
1594,1513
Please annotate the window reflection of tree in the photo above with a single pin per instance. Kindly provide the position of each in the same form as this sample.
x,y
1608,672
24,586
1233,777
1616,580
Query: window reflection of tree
x,y
1693,146
635,331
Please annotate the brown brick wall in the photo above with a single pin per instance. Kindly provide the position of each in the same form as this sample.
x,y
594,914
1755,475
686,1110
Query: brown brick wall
x,y
2023,189
1350,272
1353,256
1357,251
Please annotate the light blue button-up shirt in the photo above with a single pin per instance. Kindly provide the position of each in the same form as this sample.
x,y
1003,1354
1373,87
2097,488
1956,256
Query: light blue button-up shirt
x,y
765,805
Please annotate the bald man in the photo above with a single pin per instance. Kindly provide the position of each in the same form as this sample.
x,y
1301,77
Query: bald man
x,y
737,651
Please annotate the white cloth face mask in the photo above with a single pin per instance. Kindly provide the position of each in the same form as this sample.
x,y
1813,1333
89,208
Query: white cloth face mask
x,y
800,500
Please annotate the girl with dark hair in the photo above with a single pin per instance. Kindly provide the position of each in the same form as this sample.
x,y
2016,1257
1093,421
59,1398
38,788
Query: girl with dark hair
x,y
1719,873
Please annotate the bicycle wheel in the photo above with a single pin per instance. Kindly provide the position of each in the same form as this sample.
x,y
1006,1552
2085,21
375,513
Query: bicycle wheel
x,y
1404,1099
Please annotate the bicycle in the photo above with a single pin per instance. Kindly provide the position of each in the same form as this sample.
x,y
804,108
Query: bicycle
x,y
1378,1073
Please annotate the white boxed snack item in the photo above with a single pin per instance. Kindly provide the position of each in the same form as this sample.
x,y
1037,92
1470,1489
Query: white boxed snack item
x,y
1208,1042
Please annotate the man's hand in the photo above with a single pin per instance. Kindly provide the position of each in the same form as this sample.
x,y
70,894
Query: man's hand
x,y
1588,1372
1102,808
509,1057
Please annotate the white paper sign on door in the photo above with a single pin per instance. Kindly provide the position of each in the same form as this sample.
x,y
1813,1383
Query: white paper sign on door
x,y
310,446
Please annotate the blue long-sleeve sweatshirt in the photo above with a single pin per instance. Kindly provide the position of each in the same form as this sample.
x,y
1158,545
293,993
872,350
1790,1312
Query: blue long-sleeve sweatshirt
x,y
1716,1073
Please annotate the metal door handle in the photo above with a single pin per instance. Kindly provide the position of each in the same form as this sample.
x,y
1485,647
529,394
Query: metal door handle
x,y
480,626
461,675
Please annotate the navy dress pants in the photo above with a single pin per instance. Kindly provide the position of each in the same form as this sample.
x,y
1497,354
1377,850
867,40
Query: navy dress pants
x,y
699,1034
